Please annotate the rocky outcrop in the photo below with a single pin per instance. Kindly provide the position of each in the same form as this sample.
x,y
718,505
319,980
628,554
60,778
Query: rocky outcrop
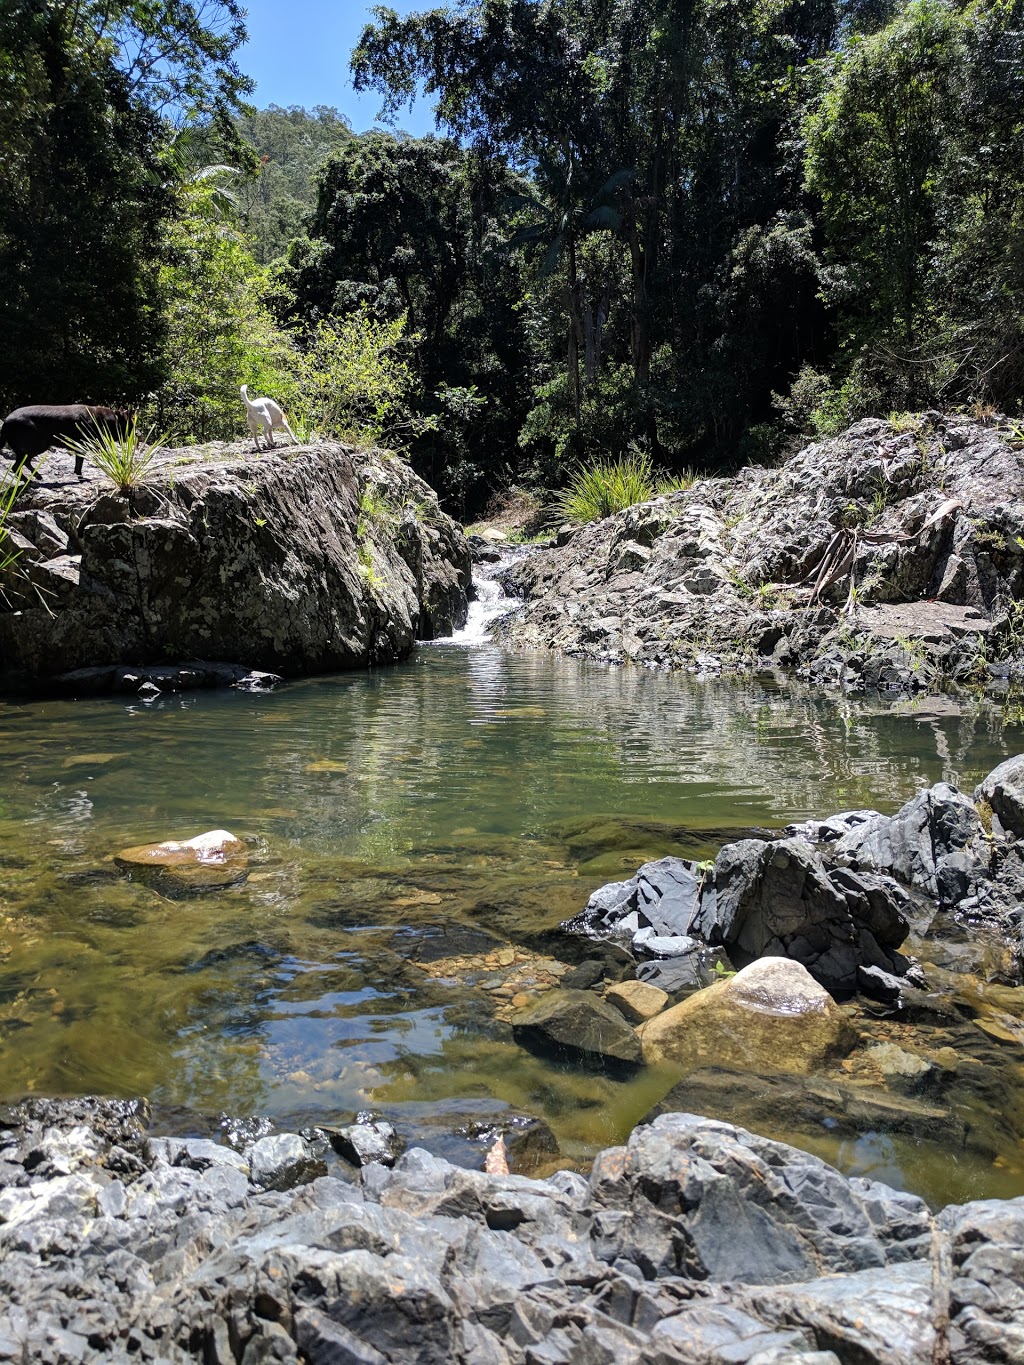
x,y
696,1242
299,561
884,557
838,895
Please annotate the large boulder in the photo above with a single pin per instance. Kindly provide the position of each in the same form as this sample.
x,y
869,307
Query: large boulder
x,y
763,564
770,1017
298,561
1003,792
780,899
578,1026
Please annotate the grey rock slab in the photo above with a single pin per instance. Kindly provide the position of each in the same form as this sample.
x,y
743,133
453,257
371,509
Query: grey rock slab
x,y
883,1316
986,1298
799,1217
1003,791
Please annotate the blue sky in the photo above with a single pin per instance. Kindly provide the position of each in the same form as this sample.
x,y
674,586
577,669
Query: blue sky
x,y
298,53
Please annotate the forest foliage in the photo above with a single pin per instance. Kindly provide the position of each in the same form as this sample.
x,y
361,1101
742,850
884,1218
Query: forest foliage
x,y
694,230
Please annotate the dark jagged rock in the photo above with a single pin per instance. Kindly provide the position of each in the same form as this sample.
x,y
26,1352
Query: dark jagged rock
x,y
926,525
695,1242
369,1139
574,1025
759,899
781,899
837,895
270,561
920,844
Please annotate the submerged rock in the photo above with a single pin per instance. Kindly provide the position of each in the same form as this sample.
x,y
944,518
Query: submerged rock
x,y
208,862
572,1025
770,1017
808,1109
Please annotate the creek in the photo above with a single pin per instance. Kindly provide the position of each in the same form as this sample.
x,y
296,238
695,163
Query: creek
x,y
416,836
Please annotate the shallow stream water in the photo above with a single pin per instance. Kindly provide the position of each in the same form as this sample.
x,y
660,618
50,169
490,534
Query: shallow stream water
x,y
417,834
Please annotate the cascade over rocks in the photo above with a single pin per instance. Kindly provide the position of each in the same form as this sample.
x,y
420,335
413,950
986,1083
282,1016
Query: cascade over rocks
x,y
880,558
696,1242
299,561
838,895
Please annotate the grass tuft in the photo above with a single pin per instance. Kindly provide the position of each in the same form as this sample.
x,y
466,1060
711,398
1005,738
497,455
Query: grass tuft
x,y
125,460
605,487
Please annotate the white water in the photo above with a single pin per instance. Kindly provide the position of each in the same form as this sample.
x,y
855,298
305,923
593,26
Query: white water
x,y
489,604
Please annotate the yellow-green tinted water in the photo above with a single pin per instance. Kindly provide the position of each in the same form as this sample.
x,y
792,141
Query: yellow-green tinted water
x,y
465,801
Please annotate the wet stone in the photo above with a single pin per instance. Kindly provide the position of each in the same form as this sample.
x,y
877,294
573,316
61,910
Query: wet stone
x,y
637,1001
209,862
770,1017
282,1162
574,1025
370,1139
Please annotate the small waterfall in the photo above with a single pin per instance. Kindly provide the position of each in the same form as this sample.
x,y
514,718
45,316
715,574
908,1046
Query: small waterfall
x,y
489,603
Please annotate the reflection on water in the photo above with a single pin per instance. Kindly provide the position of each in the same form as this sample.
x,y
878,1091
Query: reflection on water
x,y
470,792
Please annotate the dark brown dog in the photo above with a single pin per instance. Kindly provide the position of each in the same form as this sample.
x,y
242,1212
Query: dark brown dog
x,y
30,431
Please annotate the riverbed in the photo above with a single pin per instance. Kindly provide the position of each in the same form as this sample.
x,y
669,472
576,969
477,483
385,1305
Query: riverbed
x,y
416,836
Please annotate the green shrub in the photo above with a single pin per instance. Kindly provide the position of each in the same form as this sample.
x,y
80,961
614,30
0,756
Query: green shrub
x,y
10,483
351,379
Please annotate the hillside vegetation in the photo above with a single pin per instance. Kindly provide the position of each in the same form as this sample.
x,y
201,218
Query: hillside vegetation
x,y
691,230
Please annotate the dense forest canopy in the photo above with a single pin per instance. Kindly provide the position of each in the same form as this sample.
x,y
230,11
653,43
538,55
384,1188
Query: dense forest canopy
x,y
697,228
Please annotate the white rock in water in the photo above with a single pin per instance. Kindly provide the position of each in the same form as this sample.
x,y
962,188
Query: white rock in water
x,y
181,867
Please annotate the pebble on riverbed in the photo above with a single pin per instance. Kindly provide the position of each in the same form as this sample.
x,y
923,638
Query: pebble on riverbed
x,y
512,977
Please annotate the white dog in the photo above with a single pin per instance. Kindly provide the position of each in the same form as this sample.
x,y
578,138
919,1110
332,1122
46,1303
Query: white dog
x,y
263,415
